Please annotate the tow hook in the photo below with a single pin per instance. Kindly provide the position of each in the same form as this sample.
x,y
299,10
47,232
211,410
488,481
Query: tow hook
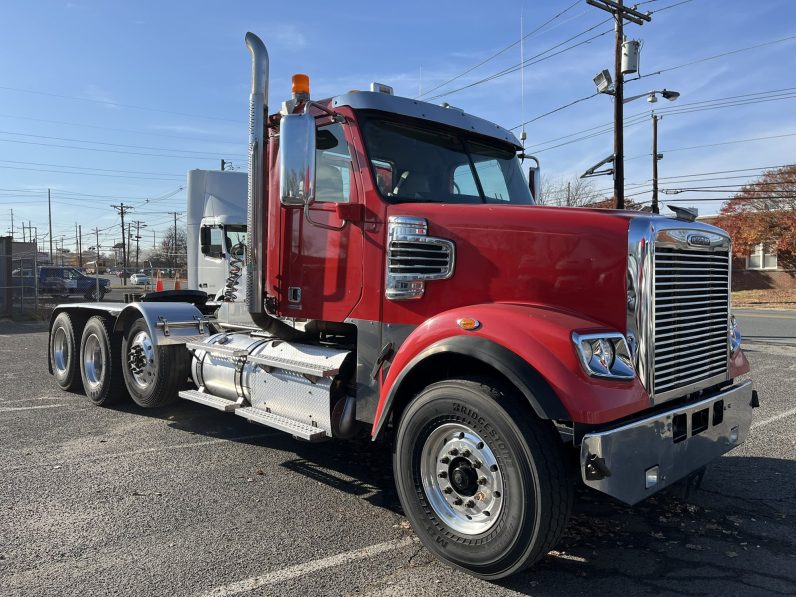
x,y
755,403
596,468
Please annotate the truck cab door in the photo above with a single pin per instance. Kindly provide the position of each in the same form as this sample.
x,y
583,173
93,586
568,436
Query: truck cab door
x,y
321,265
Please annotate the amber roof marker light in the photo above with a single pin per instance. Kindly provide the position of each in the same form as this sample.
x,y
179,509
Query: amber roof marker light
x,y
300,85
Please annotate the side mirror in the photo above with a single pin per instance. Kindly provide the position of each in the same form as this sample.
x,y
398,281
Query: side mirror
x,y
535,181
297,160
204,240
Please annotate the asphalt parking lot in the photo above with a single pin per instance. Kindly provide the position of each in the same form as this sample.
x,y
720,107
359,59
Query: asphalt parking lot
x,y
189,501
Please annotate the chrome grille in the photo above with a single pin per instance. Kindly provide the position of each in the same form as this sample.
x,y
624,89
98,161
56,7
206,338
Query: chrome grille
x,y
413,257
691,307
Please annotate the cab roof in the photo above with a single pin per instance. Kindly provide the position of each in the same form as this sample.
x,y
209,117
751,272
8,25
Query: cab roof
x,y
370,100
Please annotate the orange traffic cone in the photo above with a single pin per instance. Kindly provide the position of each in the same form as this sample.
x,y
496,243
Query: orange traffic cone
x,y
159,283
176,282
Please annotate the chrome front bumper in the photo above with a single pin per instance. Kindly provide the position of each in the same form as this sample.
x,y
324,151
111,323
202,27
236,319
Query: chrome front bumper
x,y
638,459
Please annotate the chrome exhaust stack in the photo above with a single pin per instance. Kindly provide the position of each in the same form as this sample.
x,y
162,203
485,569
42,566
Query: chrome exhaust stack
x,y
258,114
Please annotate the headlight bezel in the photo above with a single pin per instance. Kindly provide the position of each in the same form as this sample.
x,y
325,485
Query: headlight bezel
x,y
589,348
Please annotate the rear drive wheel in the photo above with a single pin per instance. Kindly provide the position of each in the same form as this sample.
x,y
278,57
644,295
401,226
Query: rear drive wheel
x,y
153,375
101,362
63,353
484,483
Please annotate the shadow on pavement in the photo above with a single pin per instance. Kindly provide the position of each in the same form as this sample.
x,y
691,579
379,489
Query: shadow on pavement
x,y
733,535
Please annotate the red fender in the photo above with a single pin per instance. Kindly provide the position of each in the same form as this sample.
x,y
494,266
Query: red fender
x,y
542,338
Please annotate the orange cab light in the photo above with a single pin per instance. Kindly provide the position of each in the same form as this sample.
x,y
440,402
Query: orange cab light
x,y
301,84
468,323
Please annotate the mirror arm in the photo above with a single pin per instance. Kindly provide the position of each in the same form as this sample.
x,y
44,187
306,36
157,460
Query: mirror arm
x,y
319,224
336,117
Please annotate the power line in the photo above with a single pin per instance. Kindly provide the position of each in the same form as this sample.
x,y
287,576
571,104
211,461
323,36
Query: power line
x,y
147,132
156,155
498,53
93,169
173,149
729,53
112,103
731,141
532,60
93,174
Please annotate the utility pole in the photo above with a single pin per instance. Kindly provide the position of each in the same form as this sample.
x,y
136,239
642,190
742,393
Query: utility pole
x,y
620,12
123,209
655,158
80,244
12,225
50,217
96,263
223,164
138,225
77,245
129,241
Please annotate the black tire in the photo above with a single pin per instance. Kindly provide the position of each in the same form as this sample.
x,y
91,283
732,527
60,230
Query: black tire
x,y
152,379
63,349
100,362
530,467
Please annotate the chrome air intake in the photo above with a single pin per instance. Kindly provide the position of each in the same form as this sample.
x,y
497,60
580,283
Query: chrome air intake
x,y
678,305
258,112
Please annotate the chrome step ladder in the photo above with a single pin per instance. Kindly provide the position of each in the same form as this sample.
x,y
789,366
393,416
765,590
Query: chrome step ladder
x,y
297,428
210,400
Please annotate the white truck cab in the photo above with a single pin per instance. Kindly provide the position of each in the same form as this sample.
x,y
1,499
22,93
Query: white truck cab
x,y
216,227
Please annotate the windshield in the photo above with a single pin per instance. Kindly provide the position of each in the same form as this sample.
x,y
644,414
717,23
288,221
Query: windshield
x,y
427,163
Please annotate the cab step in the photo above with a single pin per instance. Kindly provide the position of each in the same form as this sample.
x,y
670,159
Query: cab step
x,y
217,349
216,402
297,428
304,359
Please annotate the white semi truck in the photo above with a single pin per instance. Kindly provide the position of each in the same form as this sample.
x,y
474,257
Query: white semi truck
x,y
216,228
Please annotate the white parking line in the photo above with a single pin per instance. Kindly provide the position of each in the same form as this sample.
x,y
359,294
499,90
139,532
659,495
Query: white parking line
x,y
12,408
277,576
786,414
115,455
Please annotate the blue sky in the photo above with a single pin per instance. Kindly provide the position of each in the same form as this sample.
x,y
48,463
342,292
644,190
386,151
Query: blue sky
x,y
165,89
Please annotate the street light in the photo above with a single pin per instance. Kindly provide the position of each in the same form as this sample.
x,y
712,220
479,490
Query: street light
x,y
651,96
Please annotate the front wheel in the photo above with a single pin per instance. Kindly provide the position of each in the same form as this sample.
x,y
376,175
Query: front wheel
x,y
484,483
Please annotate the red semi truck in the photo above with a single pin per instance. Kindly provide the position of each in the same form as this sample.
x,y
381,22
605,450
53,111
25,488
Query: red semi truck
x,y
401,282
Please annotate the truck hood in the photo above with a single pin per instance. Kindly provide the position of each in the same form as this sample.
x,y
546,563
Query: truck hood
x,y
571,259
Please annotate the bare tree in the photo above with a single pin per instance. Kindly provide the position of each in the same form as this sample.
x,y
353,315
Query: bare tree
x,y
574,192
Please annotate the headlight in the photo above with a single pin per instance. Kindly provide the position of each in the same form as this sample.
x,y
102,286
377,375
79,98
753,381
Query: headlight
x,y
734,333
604,355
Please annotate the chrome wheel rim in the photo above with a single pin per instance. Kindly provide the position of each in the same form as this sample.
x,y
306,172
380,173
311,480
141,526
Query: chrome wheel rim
x,y
60,350
93,362
141,360
461,479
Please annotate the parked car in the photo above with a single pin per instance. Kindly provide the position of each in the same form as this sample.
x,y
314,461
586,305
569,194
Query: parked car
x,y
62,282
139,279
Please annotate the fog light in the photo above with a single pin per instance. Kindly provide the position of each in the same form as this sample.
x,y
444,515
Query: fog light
x,y
651,477
734,435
